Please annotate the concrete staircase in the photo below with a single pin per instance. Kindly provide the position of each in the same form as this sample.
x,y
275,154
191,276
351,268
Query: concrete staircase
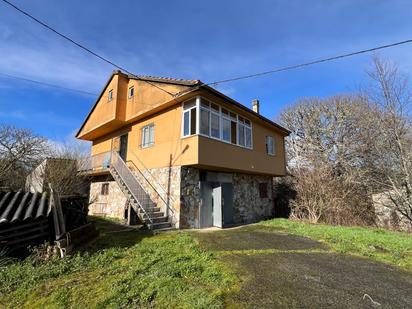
x,y
147,211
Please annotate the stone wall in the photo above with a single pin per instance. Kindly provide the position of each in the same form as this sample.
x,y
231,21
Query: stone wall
x,y
182,184
164,190
111,205
248,206
387,216
190,197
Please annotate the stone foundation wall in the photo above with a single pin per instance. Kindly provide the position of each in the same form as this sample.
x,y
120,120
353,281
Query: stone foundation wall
x,y
111,205
182,184
248,206
166,183
190,198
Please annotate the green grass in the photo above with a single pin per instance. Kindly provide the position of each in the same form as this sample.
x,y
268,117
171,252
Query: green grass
x,y
378,244
122,270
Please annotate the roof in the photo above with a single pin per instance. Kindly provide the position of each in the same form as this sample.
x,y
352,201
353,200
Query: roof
x,y
168,80
21,206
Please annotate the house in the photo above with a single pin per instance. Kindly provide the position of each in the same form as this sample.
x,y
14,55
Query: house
x,y
178,153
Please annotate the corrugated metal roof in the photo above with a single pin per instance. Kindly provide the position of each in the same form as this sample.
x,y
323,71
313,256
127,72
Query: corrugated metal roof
x,y
21,206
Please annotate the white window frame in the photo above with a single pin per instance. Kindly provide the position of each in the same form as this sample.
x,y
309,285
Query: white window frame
x,y
270,152
110,95
129,95
148,127
221,116
197,100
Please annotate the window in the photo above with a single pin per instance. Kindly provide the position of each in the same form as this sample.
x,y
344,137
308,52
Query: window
x,y
186,124
193,121
131,92
201,116
270,149
233,130
204,121
263,190
189,118
215,125
226,129
244,132
104,189
110,95
148,136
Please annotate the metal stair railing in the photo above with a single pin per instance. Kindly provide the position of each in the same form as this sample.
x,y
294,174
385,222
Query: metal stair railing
x,y
134,187
168,198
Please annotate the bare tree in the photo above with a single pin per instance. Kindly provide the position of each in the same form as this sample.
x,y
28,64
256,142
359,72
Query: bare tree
x,y
329,159
390,93
344,149
20,151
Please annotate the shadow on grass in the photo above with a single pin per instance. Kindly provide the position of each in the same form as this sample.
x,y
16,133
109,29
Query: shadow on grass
x,y
114,234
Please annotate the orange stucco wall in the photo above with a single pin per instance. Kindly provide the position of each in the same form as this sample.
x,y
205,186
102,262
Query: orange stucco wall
x,y
109,120
108,116
200,151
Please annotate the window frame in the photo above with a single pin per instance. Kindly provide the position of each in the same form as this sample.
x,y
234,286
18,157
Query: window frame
x,y
150,126
104,189
130,89
110,95
189,111
230,116
268,152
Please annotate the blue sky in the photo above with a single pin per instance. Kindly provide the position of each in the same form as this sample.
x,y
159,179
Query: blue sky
x,y
207,40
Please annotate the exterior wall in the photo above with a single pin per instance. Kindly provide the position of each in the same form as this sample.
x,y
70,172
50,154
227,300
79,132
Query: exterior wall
x,y
248,206
164,190
183,185
111,205
148,97
216,154
169,148
108,116
190,198
106,111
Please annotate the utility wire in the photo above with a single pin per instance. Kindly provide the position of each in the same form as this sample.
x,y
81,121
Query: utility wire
x,y
47,84
81,46
296,66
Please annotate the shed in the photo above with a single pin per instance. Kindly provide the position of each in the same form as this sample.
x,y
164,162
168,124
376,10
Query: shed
x,y
24,219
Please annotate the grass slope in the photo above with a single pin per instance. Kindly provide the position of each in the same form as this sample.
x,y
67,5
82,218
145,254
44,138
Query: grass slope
x,y
378,244
121,270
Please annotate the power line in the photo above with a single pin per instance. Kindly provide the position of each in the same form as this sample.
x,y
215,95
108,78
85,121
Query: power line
x,y
296,66
80,45
47,84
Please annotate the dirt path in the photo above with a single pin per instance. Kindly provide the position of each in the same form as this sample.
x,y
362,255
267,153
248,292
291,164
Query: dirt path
x,y
285,271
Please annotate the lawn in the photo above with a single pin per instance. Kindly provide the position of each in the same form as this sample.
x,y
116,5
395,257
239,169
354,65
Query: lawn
x,y
122,269
390,247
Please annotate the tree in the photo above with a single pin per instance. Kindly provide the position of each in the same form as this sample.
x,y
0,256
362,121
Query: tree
x,y
20,151
327,156
390,93
344,149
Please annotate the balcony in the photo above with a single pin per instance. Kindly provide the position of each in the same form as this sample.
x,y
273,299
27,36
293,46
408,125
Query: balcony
x,y
96,165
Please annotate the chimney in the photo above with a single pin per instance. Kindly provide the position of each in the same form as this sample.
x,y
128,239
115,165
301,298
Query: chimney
x,y
255,106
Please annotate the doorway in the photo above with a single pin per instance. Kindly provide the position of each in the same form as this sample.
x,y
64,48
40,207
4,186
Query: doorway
x,y
217,203
123,147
